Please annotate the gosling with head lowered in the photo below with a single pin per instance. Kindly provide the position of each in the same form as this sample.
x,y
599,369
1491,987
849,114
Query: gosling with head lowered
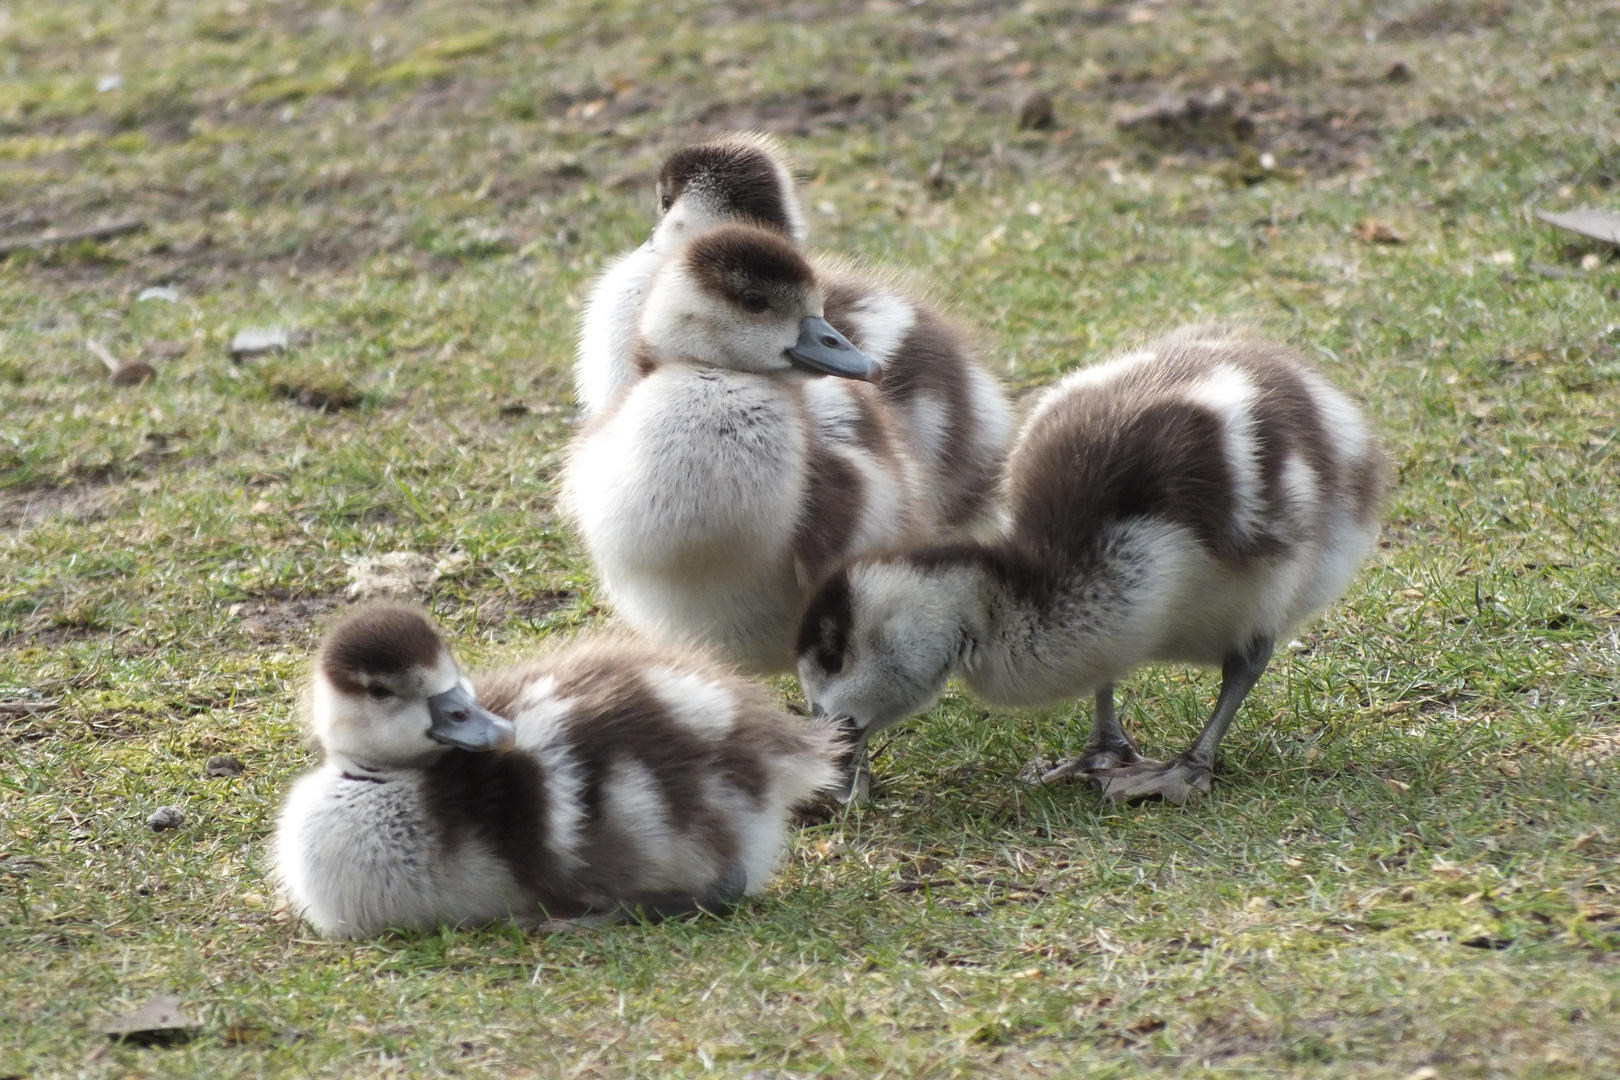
x,y
950,413
607,781
1191,501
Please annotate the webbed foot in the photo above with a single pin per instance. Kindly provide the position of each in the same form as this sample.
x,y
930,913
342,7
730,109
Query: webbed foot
x,y
1095,760
1173,781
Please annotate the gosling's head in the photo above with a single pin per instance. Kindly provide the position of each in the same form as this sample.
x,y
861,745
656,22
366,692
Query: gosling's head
x,y
879,640
743,298
740,178
387,693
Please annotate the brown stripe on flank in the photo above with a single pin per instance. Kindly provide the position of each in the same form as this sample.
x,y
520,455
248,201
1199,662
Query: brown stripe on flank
x,y
499,800
618,718
1091,463
834,497
1368,482
931,362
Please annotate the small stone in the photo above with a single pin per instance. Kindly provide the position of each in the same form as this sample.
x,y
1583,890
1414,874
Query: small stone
x,y
1037,113
158,292
224,765
108,83
258,341
165,818
132,374
1297,646
1591,261
1374,231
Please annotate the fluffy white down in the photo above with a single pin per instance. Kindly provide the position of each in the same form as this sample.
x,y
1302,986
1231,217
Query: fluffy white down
x,y
356,858
687,496
607,329
689,493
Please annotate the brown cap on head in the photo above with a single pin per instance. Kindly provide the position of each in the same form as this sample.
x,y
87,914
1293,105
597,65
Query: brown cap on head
x,y
379,639
739,176
732,260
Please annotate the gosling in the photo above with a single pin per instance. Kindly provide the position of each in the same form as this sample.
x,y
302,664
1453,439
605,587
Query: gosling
x,y
717,489
952,414
606,781
1192,501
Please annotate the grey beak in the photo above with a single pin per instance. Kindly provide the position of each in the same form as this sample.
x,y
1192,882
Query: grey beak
x,y
458,720
825,351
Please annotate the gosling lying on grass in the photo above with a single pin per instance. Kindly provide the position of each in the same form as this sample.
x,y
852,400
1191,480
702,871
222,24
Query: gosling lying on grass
x,y
607,781
1191,501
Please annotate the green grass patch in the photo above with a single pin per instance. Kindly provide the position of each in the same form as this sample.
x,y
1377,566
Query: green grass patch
x,y
1410,865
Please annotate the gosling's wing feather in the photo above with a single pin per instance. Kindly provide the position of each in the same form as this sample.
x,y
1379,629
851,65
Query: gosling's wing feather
x,y
953,414
1224,435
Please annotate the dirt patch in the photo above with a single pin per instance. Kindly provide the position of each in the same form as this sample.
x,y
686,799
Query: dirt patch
x,y
805,113
1225,121
285,619
78,503
500,610
1447,17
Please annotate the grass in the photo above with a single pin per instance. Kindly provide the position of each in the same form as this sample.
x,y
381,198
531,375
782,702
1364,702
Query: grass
x,y
1411,861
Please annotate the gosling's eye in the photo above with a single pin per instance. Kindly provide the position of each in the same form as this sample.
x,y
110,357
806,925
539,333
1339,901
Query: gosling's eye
x,y
755,302
666,202
378,693
831,662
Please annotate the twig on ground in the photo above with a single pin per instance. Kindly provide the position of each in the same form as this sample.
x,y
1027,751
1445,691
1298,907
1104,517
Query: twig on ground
x,y
53,237
118,372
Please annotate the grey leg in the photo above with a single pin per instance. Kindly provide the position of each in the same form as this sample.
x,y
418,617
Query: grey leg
x,y
1109,746
859,788
1193,769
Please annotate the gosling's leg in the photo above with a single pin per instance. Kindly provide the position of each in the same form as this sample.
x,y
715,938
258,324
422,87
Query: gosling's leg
x,y
859,786
1109,746
1194,768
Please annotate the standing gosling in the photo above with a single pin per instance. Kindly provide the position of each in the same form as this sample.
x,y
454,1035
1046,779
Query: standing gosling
x,y
953,415
715,491
1191,501
607,779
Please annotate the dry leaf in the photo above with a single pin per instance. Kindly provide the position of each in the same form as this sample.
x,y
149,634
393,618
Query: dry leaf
x,y
1398,786
161,1019
1374,231
398,574
1581,842
1447,869
1509,769
1596,224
